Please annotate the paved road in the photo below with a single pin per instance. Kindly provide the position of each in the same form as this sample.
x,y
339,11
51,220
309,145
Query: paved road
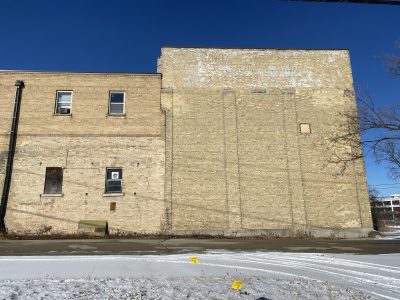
x,y
175,246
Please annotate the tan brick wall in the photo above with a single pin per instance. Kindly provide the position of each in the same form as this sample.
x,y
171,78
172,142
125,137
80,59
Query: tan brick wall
x,y
85,144
237,160
216,148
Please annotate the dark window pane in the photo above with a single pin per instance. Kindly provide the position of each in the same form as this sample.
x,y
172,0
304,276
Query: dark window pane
x,y
53,181
117,98
114,186
116,108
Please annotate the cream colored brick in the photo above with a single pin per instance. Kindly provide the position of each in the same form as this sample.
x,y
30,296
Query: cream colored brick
x,y
85,144
241,153
213,148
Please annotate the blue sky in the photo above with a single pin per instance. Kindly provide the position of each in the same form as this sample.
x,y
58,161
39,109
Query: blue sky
x,y
127,36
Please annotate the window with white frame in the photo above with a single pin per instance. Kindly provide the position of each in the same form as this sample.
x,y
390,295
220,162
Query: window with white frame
x,y
116,103
63,102
114,180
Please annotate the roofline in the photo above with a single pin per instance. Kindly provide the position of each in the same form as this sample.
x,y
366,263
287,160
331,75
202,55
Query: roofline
x,y
246,48
81,72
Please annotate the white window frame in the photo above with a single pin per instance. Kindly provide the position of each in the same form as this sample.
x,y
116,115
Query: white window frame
x,y
56,104
109,103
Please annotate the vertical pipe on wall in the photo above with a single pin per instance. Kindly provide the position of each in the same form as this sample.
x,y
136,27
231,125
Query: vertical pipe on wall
x,y
10,157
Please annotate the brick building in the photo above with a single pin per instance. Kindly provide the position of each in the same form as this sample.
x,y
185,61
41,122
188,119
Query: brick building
x,y
225,141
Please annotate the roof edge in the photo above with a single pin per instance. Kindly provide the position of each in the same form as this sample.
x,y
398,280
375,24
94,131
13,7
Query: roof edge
x,y
81,72
247,48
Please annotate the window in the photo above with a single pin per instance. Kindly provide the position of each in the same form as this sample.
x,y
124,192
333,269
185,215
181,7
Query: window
x,y
114,180
63,102
116,103
305,128
53,181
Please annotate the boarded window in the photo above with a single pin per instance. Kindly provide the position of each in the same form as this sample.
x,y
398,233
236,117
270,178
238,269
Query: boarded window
x,y
114,180
305,128
53,182
117,103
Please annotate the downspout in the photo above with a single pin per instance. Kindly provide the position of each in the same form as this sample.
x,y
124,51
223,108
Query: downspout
x,y
10,157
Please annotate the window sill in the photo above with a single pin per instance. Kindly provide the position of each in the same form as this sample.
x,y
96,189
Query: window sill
x,y
62,115
116,115
52,195
113,194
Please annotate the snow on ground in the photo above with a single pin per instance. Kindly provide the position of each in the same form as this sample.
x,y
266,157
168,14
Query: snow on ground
x,y
272,275
203,287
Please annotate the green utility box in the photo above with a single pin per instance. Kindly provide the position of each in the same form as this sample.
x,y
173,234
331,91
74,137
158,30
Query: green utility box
x,y
93,227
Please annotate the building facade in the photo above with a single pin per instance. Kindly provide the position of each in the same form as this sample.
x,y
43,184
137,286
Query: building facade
x,y
224,142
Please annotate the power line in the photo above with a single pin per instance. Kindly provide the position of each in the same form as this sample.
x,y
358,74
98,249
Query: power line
x,y
384,2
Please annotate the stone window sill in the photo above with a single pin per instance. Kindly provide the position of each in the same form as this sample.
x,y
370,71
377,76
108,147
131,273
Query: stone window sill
x,y
52,195
116,115
62,115
113,194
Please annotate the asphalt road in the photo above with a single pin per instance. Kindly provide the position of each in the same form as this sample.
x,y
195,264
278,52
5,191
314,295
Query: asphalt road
x,y
175,246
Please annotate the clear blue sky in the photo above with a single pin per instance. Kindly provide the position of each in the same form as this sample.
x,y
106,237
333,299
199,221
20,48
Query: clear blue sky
x,y
127,35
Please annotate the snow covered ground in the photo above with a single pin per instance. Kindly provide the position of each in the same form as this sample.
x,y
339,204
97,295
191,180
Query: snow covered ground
x,y
266,275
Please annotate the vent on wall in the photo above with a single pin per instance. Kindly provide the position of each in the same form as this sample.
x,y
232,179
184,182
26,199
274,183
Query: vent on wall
x,y
258,91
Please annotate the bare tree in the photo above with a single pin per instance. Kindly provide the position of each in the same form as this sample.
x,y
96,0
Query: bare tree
x,y
379,128
373,194
393,62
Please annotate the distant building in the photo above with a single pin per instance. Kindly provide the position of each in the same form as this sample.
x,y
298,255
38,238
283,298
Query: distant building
x,y
389,204
220,141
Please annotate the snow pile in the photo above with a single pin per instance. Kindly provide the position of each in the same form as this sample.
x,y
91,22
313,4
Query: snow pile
x,y
200,287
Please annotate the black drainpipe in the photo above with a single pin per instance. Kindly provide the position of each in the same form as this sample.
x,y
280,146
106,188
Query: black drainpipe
x,y
10,158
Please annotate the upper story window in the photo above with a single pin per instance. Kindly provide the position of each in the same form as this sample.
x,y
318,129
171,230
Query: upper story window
x,y
116,103
63,102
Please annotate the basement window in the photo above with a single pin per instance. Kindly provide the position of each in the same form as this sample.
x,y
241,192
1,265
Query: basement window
x,y
53,181
63,102
114,180
116,103
305,128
